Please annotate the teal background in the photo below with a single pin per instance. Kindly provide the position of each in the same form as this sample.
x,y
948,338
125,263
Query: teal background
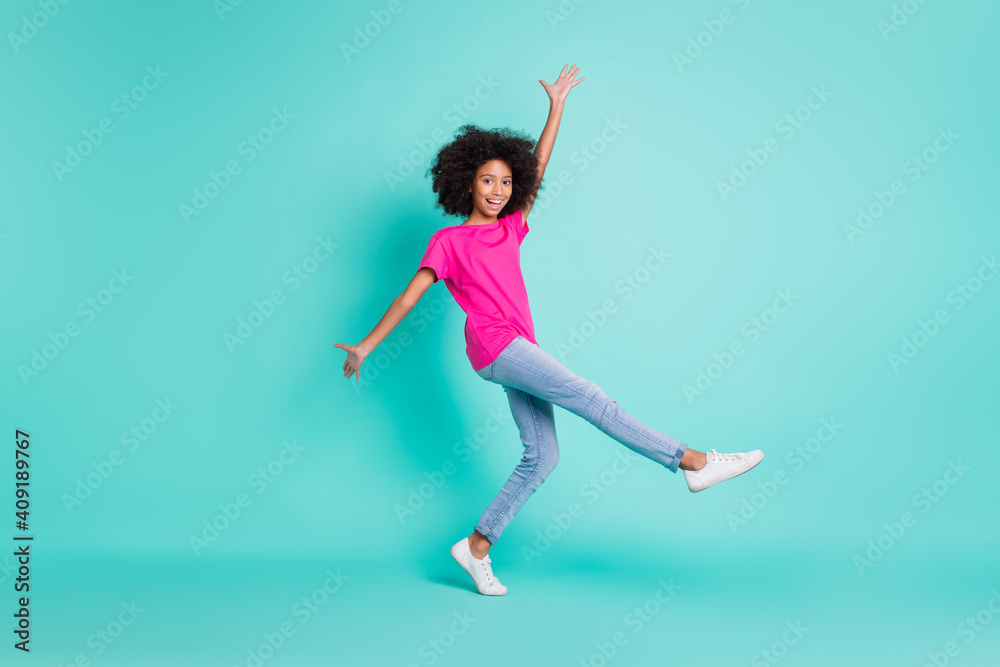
x,y
365,449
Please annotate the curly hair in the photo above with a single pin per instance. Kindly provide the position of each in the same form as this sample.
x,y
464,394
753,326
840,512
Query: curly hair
x,y
454,167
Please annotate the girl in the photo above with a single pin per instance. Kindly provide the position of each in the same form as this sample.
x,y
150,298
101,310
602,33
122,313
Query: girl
x,y
491,178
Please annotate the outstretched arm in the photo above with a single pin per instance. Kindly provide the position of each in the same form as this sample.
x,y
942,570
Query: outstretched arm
x,y
398,309
557,93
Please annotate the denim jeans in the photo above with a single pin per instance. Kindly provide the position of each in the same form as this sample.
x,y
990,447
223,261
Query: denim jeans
x,y
534,381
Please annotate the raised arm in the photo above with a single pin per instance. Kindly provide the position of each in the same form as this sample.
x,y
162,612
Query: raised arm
x,y
557,93
398,309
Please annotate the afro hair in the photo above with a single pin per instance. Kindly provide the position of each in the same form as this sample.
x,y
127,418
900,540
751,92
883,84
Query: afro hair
x,y
454,168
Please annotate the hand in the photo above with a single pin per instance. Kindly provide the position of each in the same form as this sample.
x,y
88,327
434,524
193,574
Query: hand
x,y
560,89
355,357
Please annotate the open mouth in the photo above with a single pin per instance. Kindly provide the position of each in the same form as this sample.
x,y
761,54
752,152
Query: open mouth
x,y
494,203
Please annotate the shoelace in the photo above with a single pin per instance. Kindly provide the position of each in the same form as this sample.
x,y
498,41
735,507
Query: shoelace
x,y
490,578
724,457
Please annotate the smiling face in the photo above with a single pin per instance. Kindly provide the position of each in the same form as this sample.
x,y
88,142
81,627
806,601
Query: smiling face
x,y
491,189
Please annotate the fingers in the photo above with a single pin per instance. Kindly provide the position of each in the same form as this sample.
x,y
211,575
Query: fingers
x,y
571,74
564,77
348,370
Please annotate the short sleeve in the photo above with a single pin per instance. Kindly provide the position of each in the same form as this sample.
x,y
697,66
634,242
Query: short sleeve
x,y
436,257
520,225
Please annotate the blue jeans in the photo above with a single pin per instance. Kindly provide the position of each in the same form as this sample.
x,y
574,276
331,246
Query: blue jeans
x,y
533,381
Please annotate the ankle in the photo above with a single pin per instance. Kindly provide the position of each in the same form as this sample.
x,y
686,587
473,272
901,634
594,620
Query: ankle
x,y
693,460
479,545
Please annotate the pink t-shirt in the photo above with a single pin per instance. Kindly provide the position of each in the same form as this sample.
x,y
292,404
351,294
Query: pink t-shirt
x,y
481,267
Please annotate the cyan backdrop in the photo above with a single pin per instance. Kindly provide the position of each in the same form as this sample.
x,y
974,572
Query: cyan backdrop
x,y
200,198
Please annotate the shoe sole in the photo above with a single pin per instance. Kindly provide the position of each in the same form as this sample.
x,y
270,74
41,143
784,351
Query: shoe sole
x,y
727,477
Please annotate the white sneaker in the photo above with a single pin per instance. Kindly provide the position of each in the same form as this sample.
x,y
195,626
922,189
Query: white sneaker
x,y
721,467
479,570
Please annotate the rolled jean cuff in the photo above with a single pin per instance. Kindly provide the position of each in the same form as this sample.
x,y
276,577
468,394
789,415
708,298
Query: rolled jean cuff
x,y
678,455
485,532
